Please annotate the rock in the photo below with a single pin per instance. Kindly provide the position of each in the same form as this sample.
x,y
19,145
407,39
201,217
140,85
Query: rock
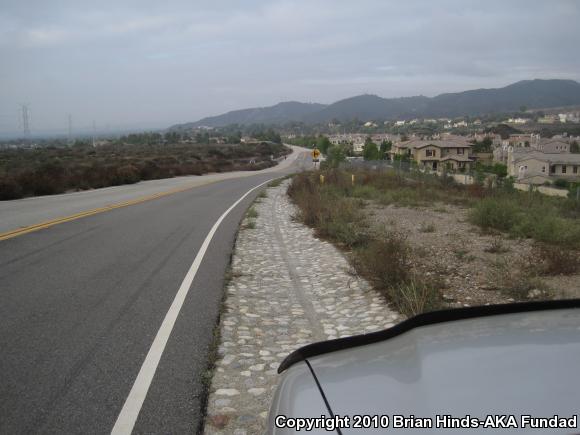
x,y
257,367
256,391
219,421
221,403
227,392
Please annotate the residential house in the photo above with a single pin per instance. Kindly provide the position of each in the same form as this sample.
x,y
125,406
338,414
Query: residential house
x,y
553,146
436,154
517,121
537,167
548,119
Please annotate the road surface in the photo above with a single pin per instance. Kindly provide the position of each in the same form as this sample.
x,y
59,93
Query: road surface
x,y
83,303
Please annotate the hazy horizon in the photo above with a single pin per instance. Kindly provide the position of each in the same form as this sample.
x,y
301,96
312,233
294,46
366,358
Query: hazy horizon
x,y
152,65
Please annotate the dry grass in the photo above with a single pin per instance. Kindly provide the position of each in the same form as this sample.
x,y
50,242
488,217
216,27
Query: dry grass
x,y
383,259
547,260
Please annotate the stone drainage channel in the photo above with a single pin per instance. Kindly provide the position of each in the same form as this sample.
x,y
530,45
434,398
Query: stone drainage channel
x,y
288,289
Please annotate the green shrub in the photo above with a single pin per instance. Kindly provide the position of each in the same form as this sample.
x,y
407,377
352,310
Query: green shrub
x,y
493,213
560,183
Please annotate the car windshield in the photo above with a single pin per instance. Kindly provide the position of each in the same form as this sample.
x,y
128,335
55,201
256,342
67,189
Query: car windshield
x,y
190,192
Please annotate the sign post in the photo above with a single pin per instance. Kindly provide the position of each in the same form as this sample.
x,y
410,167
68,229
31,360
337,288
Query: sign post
x,y
315,154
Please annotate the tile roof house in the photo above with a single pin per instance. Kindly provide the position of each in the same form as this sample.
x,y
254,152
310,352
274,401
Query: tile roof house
x,y
437,154
538,167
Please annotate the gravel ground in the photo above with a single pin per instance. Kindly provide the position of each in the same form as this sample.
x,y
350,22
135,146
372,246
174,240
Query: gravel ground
x,y
446,247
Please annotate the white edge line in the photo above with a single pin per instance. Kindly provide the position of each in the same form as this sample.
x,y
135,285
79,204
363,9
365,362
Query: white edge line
x,y
128,416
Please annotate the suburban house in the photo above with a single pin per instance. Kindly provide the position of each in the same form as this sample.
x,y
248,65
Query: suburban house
x,y
553,146
525,144
438,154
537,167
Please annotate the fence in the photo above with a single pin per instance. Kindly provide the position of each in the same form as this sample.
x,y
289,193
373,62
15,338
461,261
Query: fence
x,y
401,166
546,190
467,178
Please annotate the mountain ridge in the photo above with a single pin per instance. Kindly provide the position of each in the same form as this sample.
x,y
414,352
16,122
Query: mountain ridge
x,y
536,93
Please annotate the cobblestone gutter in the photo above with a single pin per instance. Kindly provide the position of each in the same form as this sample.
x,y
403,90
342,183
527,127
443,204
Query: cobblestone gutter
x,y
288,289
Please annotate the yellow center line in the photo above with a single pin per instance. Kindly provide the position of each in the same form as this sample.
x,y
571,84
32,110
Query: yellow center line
x,y
28,229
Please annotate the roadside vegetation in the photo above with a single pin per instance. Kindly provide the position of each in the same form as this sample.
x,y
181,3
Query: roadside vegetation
x,y
336,209
381,257
53,170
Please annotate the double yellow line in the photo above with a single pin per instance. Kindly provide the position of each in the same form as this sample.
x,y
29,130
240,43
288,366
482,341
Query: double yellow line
x,y
25,230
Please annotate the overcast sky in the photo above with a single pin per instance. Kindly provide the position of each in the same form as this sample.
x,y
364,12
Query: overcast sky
x,y
155,63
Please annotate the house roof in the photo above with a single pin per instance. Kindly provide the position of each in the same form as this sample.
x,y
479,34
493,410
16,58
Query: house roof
x,y
549,158
439,143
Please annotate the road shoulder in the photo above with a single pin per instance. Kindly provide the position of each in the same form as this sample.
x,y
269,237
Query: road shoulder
x,y
287,289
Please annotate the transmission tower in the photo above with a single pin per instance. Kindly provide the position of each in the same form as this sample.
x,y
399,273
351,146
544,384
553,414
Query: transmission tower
x,y
70,139
25,120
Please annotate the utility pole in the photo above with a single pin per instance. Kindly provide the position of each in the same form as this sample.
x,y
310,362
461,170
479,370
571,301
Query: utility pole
x,y
25,120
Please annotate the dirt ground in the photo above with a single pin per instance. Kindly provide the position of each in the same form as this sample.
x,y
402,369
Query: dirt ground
x,y
467,262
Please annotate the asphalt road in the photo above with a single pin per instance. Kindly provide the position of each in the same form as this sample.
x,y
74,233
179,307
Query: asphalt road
x,y
81,303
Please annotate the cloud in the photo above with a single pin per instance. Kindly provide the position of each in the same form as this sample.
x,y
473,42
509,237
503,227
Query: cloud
x,y
178,60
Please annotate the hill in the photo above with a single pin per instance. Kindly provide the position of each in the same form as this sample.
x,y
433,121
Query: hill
x,y
277,114
529,93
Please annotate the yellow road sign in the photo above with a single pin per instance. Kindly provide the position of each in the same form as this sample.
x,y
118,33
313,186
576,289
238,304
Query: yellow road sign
x,y
315,153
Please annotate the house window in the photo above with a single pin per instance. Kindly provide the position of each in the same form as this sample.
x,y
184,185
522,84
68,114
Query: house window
x,y
543,169
575,170
430,153
553,169
563,169
460,150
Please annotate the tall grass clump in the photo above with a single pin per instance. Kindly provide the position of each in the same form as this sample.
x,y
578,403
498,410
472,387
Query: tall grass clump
x,y
333,215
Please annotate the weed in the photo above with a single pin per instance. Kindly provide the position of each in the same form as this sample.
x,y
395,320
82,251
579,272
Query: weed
x,y
385,260
550,260
515,279
276,182
415,297
496,247
252,213
427,228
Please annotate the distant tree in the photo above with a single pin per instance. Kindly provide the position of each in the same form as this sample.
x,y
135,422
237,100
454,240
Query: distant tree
x,y
268,135
336,155
172,137
370,150
235,137
499,169
523,109
384,149
323,144
202,138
